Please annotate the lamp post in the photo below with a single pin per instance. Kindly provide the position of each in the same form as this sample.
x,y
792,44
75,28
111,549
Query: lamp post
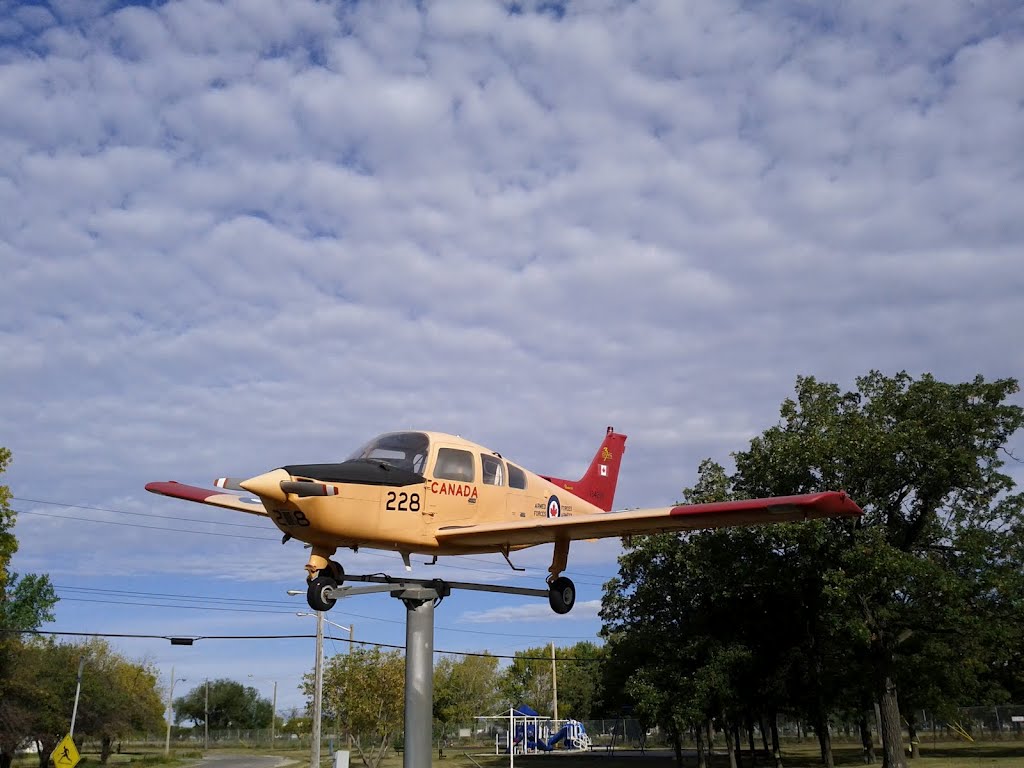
x,y
170,711
273,712
78,690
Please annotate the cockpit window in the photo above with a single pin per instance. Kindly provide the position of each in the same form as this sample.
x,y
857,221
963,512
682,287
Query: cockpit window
x,y
453,464
404,450
493,470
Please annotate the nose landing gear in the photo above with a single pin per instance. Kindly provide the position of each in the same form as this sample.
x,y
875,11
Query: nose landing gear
x,y
323,575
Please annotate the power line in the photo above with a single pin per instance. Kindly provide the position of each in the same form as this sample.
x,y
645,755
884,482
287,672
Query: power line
x,y
136,514
255,609
278,637
237,536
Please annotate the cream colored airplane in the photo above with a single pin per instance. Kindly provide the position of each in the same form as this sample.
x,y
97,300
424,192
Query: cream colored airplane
x,y
437,494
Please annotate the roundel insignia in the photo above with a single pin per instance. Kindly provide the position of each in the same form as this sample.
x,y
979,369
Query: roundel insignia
x,y
554,508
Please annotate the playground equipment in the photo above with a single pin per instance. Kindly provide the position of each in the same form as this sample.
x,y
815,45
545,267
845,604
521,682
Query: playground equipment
x,y
528,732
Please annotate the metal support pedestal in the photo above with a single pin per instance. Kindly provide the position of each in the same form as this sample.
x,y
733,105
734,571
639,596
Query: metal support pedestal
x,y
419,672
420,596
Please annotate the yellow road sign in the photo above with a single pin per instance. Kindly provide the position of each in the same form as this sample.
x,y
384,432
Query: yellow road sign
x,y
65,754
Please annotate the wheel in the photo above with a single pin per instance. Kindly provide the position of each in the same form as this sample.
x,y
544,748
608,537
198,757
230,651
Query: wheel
x,y
334,571
562,595
315,596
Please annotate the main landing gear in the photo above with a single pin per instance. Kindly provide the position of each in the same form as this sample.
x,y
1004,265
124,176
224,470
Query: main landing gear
x,y
561,590
323,576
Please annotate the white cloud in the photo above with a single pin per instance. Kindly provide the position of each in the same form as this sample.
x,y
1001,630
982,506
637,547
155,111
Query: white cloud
x,y
515,614
241,234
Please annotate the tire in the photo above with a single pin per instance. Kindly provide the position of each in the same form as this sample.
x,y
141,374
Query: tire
x,y
333,571
315,593
562,595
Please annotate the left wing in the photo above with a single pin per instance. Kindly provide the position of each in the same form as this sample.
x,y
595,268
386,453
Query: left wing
x,y
780,509
204,496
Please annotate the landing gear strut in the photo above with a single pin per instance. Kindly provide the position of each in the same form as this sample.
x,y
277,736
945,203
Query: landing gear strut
x,y
561,590
323,575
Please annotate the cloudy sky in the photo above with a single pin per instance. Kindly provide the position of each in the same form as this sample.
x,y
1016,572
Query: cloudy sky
x,y
241,234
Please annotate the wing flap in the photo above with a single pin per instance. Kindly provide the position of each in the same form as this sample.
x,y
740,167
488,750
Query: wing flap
x,y
685,517
203,496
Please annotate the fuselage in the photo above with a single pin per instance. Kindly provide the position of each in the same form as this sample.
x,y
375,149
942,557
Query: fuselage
x,y
463,484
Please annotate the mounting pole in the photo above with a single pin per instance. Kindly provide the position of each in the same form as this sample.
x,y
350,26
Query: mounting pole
x,y
419,671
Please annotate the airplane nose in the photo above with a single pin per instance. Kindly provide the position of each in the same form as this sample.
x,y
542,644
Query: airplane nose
x,y
268,485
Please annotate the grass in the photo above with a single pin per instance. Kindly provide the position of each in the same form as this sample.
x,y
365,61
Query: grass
x,y
996,754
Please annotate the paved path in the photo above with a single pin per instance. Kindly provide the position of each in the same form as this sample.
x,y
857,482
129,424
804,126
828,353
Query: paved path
x,y
243,761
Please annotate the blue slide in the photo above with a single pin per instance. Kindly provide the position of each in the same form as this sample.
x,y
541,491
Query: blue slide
x,y
562,733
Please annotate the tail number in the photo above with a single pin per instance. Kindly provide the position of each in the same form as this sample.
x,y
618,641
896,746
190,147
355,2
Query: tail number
x,y
403,502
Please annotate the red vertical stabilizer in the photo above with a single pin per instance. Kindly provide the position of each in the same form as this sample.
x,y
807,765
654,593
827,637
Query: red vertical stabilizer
x,y
598,484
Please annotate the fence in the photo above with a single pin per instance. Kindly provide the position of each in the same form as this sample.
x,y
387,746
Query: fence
x,y
987,723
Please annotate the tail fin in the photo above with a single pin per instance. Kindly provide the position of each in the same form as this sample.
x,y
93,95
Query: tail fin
x,y
598,484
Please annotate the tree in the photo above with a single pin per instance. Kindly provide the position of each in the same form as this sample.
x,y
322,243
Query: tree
x,y
827,611
365,687
25,603
463,689
231,705
118,696
923,458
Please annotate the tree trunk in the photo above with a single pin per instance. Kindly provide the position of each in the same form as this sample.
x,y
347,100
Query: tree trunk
x,y
6,758
711,736
702,757
106,747
764,735
776,751
824,741
736,742
730,749
915,751
867,743
750,738
892,733
676,738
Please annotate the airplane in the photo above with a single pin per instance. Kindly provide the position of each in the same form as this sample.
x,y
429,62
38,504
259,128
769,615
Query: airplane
x,y
438,494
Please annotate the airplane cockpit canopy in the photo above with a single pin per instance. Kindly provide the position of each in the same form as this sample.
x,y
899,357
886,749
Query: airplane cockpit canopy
x,y
402,450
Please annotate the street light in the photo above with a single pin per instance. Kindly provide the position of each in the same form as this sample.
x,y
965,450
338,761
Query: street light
x,y
170,711
273,712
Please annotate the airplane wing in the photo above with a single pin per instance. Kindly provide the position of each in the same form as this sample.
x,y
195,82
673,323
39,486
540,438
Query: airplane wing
x,y
204,496
684,517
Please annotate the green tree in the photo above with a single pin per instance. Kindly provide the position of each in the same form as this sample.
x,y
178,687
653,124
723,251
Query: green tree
x,y
924,460
464,689
365,688
826,611
231,705
25,603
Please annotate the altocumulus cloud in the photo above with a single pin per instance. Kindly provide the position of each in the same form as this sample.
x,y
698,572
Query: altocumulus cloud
x,y
242,234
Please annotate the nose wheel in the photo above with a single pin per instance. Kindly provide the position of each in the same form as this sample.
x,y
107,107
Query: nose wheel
x,y
562,595
319,586
317,591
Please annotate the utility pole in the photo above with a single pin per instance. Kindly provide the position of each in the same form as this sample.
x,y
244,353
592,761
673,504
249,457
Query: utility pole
x,y
206,717
170,711
78,690
554,681
351,634
273,715
318,688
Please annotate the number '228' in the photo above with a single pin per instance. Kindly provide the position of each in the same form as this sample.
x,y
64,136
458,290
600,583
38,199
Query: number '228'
x,y
403,502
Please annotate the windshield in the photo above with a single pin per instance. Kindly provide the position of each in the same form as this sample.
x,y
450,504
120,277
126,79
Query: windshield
x,y
404,450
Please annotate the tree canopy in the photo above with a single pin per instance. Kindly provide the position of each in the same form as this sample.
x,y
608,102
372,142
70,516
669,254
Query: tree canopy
x,y
231,705
815,617
25,603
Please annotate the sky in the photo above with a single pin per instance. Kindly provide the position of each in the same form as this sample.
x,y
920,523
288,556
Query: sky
x,y
242,234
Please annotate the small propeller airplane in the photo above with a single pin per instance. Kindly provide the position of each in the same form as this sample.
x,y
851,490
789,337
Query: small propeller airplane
x,y
436,494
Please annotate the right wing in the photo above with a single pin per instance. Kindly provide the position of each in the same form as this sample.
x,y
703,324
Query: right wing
x,y
682,517
204,496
